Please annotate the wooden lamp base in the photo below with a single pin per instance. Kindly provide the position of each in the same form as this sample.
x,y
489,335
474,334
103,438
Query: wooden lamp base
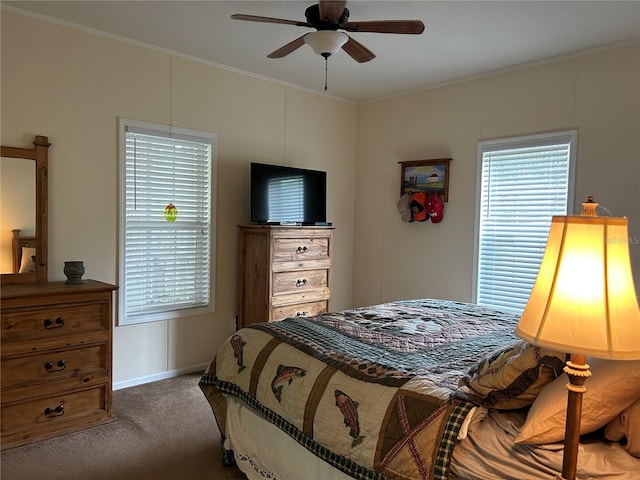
x,y
578,372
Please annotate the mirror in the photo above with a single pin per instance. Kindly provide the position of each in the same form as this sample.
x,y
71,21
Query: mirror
x,y
24,224
18,196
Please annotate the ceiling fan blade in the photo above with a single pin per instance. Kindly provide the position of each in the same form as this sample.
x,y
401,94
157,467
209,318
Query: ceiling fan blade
x,y
357,51
288,48
255,18
331,10
386,26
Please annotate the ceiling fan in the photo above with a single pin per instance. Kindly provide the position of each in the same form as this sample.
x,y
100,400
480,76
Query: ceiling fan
x,y
328,17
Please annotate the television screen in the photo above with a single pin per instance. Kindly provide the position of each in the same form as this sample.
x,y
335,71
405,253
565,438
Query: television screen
x,y
285,195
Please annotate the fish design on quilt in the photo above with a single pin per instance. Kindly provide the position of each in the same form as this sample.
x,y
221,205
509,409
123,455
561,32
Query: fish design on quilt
x,y
237,345
349,410
285,375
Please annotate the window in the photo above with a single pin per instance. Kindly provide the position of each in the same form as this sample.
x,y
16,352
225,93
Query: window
x,y
522,183
166,238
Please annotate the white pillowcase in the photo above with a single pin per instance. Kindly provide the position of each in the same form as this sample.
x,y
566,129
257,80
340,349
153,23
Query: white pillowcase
x,y
613,387
626,425
27,262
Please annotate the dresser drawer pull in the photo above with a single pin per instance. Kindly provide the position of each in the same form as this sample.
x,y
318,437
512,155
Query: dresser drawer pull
x,y
49,324
301,282
302,249
54,412
60,364
301,314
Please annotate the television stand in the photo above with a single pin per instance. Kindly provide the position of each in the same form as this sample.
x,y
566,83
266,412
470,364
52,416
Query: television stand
x,y
284,271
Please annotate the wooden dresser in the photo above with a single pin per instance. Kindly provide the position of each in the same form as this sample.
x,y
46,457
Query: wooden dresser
x,y
283,272
55,359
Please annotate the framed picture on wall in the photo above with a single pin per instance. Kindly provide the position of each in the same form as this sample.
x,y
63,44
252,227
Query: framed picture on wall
x,y
425,176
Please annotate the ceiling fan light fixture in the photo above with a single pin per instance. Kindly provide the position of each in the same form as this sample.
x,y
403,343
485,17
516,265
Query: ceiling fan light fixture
x,y
326,42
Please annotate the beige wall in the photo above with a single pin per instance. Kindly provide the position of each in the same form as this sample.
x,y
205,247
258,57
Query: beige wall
x,y
72,86
597,94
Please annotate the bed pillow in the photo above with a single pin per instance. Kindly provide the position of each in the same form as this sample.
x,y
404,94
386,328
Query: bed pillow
x,y
513,376
626,425
28,260
612,388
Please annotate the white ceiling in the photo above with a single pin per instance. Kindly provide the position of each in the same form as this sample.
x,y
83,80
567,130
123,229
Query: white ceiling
x,y
461,39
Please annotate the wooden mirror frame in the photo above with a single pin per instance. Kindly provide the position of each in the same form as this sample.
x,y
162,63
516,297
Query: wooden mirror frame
x,y
40,154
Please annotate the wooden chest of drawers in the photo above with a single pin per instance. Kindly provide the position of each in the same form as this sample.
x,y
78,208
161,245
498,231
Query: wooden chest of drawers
x,y
283,272
55,359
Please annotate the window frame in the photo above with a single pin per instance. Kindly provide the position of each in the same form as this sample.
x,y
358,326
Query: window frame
x,y
167,130
483,146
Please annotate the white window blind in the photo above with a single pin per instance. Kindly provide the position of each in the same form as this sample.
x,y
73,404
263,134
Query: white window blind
x,y
522,183
165,266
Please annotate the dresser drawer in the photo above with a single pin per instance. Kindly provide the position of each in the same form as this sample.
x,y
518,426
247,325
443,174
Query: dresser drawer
x,y
55,413
299,281
54,320
299,310
299,298
300,248
54,366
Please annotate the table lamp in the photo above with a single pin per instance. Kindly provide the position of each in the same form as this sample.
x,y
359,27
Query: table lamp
x,y
583,302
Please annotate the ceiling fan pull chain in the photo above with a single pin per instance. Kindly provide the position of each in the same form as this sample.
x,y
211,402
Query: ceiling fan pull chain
x,y
326,62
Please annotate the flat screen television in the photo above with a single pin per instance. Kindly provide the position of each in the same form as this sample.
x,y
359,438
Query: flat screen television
x,y
288,195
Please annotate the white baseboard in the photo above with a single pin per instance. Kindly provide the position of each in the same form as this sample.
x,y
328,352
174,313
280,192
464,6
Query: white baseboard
x,y
158,376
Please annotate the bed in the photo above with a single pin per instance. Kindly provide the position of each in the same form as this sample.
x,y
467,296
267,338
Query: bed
x,y
419,389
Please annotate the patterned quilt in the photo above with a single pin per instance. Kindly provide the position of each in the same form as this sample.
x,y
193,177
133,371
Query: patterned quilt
x,y
369,390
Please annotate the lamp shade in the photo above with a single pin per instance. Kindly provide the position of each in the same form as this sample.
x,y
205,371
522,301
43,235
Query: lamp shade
x,y
326,42
584,300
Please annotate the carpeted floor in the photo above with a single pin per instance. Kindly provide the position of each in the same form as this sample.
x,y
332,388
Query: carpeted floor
x,y
164,431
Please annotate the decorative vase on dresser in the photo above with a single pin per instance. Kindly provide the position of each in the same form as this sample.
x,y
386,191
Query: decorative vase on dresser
x,y
284,271
55,359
